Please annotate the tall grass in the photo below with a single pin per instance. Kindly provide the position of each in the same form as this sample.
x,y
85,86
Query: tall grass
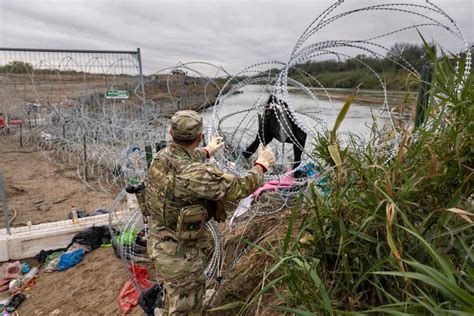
x,y
395,235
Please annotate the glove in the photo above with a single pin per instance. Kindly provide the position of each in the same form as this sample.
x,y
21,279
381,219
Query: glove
x,y
214,145
265,157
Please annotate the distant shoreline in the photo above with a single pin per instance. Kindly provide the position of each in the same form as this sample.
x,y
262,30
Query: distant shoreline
x,y
363,97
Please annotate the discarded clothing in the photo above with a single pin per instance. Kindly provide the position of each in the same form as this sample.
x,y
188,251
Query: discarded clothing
x,y
151,298
50,265
284,182
289,181
53,256
15,302
278,122
127,237
54,259
307,170
245,204
76,246
25,267
4,285
100,211
43,255
10,270
70,259
242,208
129,295
93,236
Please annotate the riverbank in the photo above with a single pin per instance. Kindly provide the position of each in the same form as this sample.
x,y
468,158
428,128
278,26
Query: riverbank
x,y
364,96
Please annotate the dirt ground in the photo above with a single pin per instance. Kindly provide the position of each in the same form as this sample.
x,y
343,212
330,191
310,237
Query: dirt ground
x,y
89,288
40,191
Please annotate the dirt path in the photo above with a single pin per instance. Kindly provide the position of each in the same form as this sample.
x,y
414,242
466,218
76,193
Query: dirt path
x,y
40,191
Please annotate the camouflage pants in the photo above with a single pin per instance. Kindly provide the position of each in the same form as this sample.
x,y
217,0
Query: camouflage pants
x,y
181,268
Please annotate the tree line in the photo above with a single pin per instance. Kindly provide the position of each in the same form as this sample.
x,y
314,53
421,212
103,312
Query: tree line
x,y
349,73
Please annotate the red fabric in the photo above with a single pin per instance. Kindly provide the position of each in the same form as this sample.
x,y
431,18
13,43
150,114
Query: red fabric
x,y
129,294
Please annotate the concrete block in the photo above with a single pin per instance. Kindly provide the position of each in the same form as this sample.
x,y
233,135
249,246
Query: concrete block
x,y
26,242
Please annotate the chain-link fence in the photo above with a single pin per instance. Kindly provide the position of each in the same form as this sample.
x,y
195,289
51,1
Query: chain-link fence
x,y
73,105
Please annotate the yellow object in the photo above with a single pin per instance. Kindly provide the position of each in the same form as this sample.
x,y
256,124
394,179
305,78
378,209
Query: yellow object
x,y
75,220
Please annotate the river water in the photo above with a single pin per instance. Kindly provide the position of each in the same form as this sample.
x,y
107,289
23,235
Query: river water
x,y
358,120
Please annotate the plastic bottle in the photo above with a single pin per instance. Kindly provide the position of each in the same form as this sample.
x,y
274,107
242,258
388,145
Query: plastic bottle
x,y
29,276
23,282
74,215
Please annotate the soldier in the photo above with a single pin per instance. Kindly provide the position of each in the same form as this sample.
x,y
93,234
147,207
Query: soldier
x,y
181,193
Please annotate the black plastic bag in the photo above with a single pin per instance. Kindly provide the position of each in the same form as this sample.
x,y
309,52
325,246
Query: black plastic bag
x,y
151,298
93,236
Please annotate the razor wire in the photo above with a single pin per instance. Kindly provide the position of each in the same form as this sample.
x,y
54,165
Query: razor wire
x,y
243,126
111,134
308,48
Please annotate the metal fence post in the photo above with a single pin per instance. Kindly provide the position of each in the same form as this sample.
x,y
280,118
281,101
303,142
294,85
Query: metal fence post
x,y
6,217
140,68
21,135
85,157
148,155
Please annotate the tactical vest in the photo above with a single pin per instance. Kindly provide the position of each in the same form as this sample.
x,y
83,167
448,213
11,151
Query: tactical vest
x,y
159,186
185,220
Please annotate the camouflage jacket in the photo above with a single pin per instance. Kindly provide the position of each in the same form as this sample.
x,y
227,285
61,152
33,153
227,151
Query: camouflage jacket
x,y
179,178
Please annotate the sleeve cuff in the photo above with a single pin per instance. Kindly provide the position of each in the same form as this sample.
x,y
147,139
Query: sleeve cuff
x,y
262,166
207,152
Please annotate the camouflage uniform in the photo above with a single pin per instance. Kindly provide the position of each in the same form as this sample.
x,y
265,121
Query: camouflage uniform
x,y
179,180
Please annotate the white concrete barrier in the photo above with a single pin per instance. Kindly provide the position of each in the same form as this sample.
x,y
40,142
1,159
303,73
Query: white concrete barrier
x,y
26,242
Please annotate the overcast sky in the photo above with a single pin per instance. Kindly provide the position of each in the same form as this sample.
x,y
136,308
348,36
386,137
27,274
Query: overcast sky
x,y
232,34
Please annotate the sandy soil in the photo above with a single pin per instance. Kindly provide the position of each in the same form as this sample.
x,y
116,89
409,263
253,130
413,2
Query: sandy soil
x,y
43,192
40,191
90,288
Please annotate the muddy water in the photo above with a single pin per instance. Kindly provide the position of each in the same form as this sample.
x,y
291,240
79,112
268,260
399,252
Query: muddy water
x,y
358,120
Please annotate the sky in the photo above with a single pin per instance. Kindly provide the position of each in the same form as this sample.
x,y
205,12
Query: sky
x,y
231,34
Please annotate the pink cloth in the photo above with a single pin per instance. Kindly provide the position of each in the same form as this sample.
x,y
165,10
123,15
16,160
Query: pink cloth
x,y
10,270
284,182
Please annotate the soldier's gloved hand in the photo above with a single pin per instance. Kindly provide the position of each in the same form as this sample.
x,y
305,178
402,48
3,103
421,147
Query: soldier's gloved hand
x,y
265,157
216,143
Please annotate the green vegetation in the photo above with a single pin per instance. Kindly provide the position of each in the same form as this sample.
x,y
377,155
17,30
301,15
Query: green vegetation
x,y
17,67
21,67
395,234
395,67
